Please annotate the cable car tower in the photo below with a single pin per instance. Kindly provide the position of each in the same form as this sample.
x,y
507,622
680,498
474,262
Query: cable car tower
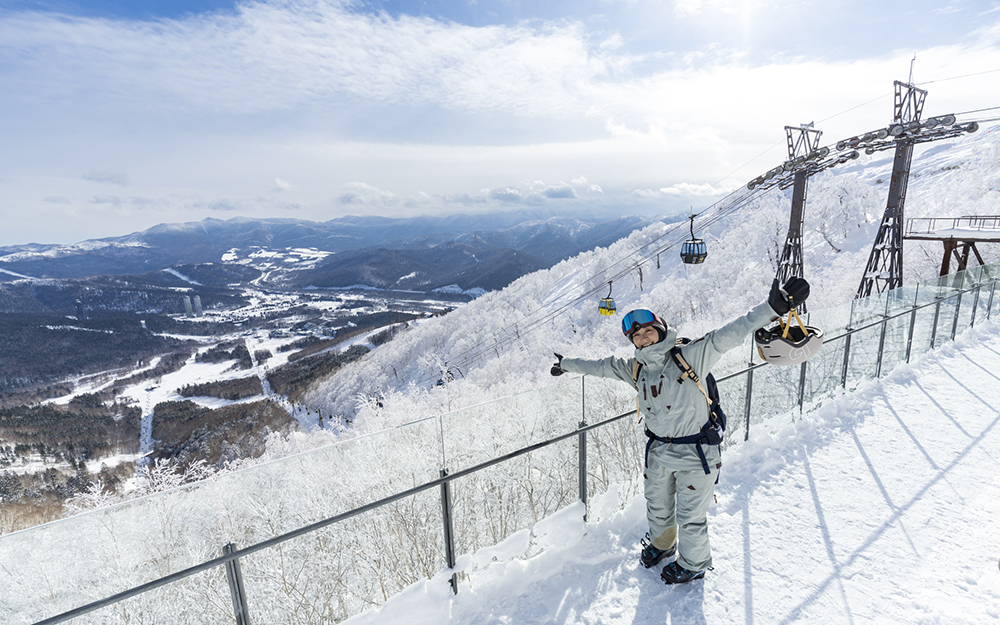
x,y
803,142
884,270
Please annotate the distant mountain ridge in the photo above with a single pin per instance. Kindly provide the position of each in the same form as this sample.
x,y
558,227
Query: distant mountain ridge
x,y
422,253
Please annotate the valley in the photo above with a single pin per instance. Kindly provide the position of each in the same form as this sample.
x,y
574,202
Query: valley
x,y
88,399
186,346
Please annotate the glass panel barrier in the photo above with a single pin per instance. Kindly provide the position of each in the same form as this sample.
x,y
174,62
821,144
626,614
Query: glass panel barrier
x,y
894,348
946,310
479,433
732,398
863,359
823,373
614,452
202,599
923,327
775,390
494,503
339,571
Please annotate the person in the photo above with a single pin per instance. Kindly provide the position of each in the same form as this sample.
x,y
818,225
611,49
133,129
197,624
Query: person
x,y
679,477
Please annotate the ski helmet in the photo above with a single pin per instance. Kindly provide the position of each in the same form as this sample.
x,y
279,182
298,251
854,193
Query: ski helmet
x,y
641,318
785,345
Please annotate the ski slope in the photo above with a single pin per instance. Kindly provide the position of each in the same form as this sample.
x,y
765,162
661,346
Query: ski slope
x,y
878,507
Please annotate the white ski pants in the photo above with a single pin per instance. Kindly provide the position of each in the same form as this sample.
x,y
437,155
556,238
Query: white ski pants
x,y
677,510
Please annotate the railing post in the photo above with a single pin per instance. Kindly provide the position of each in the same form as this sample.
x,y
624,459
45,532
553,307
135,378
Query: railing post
x,y
909,339
449,533
954,323
802,385
881,347
975,305
937,313
746,405
236,590
847,356
582,464
989,304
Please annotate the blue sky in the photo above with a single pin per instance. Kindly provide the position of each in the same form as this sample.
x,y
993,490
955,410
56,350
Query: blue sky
x,y
119,115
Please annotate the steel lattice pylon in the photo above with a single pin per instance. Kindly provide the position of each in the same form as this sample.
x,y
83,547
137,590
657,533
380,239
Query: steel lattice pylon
x,y
802,141
884,270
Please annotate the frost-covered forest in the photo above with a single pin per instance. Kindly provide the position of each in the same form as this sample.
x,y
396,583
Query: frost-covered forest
x,y
502,343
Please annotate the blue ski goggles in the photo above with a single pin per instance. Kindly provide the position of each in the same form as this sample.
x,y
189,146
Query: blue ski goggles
x,y
636,319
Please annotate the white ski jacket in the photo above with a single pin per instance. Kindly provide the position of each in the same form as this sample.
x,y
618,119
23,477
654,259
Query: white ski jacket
x,y
673,409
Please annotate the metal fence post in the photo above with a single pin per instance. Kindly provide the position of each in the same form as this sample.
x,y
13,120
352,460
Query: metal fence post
x,y
954,323
975,305
449,533
236,590
989,304
802,385
937,313
582,464
847,356
909,339
881,348
746,406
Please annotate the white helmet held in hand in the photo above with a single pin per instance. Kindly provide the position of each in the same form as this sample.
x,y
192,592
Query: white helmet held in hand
x,y
784,345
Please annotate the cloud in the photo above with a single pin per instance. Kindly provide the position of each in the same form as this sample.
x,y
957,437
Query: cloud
x,y
113,200
360,193
279,185
682,189
507,194
222,205
560,191
120,179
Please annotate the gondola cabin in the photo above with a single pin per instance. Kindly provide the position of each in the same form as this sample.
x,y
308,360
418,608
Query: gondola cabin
x,y
607,306
694,252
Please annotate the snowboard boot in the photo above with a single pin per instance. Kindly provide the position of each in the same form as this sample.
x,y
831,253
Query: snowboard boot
x,y
674,573
651,555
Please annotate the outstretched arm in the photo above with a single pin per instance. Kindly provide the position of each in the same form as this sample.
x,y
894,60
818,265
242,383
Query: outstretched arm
x,y
610,367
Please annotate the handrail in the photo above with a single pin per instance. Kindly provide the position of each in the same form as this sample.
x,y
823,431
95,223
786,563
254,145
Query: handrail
x,y
307,529
233,555
974,222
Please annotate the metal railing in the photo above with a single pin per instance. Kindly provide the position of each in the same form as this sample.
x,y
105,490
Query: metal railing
x,y
874,321
930,225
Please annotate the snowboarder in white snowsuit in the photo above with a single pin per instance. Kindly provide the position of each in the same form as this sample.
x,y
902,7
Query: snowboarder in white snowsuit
x,y
679,479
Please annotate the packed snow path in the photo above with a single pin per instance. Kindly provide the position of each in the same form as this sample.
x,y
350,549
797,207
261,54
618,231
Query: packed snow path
x,y
879,507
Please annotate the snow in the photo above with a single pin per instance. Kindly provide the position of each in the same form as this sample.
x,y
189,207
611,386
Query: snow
x,y
178,274
16,275
454,288
878,507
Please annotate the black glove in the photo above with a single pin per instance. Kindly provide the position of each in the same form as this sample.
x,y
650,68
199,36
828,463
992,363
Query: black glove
x,y
556,369
795,291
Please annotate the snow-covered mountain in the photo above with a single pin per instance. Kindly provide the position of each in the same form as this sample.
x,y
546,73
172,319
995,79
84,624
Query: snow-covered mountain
x,y
420,253
503,342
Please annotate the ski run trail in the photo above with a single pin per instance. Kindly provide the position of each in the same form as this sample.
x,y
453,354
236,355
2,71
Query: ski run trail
x,y
880,506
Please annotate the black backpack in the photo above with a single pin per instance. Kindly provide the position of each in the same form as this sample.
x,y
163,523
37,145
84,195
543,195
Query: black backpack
x,y
714,429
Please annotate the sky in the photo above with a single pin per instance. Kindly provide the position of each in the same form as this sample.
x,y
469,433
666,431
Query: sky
x,y
116,116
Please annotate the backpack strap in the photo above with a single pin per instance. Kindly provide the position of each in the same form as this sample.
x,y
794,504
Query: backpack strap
x,y
636,367
688,372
